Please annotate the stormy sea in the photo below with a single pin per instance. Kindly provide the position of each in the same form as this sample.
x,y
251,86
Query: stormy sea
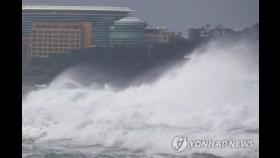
x,y
212,96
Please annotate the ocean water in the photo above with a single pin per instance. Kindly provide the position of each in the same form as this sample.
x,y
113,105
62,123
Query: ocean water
x,y
214,96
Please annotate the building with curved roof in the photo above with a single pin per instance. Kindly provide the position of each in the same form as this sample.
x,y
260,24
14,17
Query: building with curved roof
x,y
100,17
127,31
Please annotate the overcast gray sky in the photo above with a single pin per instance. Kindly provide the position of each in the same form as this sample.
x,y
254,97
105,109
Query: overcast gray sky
x,y
180,15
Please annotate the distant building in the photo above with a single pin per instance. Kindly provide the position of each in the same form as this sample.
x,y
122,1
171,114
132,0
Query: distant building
x,y
175,37
100,17
156,35
252,30
198,33
127,31
221,32
204,33
57,38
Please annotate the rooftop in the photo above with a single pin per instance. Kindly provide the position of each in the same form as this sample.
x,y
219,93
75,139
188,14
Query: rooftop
x,y
76,8
129,19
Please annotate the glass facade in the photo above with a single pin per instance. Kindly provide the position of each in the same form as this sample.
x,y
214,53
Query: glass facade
x,y
101,20
127,31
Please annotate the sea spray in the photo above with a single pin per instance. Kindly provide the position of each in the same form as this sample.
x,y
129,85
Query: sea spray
x,y
213,96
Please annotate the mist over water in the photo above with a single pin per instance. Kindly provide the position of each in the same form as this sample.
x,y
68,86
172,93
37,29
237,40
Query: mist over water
x,y
213,96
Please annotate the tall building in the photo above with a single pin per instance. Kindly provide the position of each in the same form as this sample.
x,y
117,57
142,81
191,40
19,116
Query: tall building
x,y
101,18
51,38
127,31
